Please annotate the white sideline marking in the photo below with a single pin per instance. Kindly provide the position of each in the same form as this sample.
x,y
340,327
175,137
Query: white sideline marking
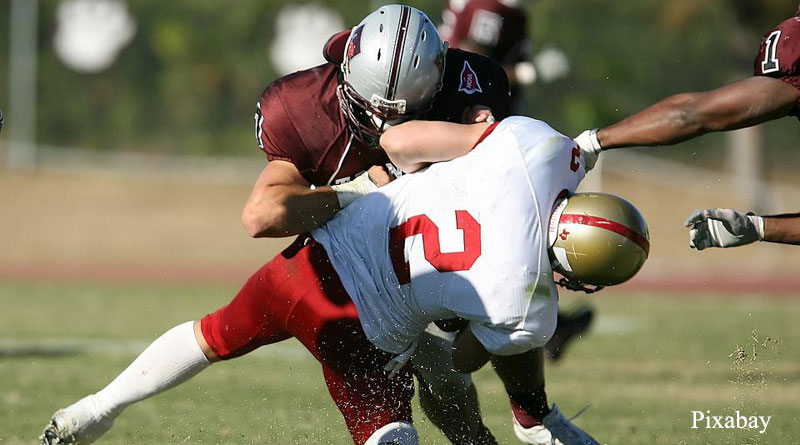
x,y
289,349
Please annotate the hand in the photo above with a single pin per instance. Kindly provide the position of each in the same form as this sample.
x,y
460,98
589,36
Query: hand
x,y
477,114
723,228
590,147
379,175
350,191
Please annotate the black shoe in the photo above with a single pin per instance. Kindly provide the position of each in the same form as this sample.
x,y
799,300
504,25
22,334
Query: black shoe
x,y
569,327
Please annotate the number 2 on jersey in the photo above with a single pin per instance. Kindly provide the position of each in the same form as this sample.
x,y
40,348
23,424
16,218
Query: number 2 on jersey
x,y
442,262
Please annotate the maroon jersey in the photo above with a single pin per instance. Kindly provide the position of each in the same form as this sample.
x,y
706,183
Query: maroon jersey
x,y
299,119
498,28
779,55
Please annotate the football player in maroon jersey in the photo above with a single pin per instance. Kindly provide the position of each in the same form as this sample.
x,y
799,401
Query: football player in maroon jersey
x,y
320,129
773,92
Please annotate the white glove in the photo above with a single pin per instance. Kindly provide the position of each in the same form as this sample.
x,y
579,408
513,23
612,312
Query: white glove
x,y
590,147
350,191
723,228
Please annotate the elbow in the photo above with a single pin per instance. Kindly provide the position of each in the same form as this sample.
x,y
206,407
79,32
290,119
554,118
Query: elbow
x,y
392,143
400,151
396,144
686,114
260,223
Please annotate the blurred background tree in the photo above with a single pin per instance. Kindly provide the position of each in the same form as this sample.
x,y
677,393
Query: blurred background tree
x,y
188,80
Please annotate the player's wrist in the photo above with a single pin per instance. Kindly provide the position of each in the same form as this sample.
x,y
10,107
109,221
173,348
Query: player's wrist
x,y
758,223
590,147
350,191
589,141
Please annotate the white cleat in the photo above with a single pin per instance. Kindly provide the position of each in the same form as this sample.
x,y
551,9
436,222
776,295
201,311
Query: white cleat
x,y
535,435
78,423
554,430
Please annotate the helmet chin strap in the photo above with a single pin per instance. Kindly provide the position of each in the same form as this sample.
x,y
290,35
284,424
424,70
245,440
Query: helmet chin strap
x,y
577,286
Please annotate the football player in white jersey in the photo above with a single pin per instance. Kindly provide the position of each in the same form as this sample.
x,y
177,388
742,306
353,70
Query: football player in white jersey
x,y
466,239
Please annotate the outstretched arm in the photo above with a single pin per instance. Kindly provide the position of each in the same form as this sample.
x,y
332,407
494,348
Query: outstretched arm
x,y
784,229
684,116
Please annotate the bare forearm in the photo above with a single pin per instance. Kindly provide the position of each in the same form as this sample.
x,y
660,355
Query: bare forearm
x,y
285,210
783,229
684,116
667,122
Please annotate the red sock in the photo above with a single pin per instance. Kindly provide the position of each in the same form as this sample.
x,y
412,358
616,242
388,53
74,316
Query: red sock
x,y
529,407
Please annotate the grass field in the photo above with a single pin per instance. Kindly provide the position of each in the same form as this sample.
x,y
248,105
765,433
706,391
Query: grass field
x,y
650,361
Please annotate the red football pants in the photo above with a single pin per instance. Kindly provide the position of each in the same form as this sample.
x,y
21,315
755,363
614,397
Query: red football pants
x,y
298,294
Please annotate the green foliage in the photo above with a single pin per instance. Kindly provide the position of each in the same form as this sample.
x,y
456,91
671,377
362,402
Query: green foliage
x,y
188,81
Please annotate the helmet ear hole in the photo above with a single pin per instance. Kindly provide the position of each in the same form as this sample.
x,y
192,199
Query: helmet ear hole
x,y
424,36
380,28
416,62
379,54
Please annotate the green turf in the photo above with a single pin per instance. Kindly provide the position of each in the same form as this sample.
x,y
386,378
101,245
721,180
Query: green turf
x,y
649,362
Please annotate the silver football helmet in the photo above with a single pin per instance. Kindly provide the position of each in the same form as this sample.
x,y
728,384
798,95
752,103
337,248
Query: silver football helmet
x,y
392,69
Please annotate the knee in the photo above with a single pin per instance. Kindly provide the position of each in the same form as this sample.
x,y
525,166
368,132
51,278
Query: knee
x,y
401,433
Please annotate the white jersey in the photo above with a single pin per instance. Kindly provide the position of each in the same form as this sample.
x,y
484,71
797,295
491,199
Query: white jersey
x,y
465,238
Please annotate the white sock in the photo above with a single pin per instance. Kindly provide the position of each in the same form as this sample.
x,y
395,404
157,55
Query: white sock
x,y
171,359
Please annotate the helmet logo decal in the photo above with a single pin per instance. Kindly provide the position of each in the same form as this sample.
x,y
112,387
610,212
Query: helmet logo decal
x,y
354,45
564,234
607,224
469,80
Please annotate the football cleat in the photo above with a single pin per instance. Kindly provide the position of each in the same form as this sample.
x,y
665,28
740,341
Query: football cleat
x,y
76,424
564,431
536,435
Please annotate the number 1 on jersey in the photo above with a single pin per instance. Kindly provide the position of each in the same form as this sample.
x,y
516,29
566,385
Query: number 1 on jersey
x,y
442,262
771,63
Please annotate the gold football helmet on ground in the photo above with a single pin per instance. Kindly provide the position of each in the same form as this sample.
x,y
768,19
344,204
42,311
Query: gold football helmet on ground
x,y
597,239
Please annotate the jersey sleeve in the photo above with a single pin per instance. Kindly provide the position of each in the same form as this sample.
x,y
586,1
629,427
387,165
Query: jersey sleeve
x,y
779,54
275,134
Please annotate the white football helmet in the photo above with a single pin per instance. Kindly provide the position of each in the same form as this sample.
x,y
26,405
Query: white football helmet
x,y
392,69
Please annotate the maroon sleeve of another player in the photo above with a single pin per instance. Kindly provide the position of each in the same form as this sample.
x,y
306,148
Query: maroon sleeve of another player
x,y
460,27
779,54
275,133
